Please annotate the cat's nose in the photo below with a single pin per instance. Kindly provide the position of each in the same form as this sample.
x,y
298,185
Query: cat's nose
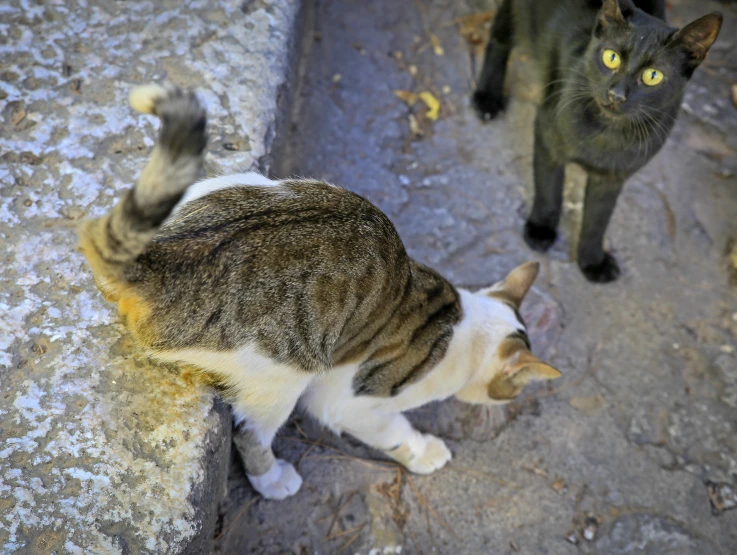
x,y
616,95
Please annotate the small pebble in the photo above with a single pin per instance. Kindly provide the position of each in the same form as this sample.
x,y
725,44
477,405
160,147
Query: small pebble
x,y
723,496
446,89
337,77
589,531
676,346
727,349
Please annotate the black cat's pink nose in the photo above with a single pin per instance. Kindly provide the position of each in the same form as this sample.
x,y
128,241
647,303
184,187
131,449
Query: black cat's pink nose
x,y
616,96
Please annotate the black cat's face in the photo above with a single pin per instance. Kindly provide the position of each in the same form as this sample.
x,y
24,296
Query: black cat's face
x,y
637,65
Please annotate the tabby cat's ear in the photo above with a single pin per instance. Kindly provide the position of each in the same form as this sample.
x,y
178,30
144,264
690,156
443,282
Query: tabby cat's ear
x,y
614,12
697,37
516,285
520,369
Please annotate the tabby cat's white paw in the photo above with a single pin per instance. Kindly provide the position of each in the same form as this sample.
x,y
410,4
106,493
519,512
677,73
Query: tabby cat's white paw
x,y
435,456
422,453
279,482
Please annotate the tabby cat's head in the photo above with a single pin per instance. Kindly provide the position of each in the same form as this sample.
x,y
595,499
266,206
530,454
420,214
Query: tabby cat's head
x,y
501,345
636,65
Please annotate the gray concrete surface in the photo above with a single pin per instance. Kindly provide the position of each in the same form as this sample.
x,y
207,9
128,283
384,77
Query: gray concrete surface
x,y
100,451
616,457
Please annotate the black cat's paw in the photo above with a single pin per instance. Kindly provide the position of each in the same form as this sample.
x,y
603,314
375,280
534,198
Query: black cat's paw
x,y
539,237
605,271
487,105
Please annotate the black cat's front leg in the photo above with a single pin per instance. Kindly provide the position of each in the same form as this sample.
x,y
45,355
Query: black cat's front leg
x,y
549,177
601,198
488,99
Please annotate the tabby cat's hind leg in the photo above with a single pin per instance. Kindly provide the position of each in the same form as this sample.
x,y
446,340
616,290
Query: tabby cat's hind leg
x,y
267,393
271,477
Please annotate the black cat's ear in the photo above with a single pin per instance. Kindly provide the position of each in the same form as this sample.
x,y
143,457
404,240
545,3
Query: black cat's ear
x,y
613,13
697,37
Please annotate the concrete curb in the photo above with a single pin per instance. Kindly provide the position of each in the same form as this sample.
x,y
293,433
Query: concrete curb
x,y
100,451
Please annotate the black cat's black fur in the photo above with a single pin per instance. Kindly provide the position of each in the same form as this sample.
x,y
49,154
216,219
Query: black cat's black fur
x,y
606,120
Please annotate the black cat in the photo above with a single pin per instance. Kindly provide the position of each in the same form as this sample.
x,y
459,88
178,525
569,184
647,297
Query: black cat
x,y
614,79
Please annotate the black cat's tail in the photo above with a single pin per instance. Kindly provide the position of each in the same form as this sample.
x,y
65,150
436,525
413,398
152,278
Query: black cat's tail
x,y
118,238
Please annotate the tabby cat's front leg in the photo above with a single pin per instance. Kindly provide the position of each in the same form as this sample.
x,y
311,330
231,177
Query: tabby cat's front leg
x,y
395,436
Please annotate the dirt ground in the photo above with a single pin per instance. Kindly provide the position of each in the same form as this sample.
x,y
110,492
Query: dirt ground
x,y
635,448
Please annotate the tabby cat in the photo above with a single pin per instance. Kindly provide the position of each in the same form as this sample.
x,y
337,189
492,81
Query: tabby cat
x,y
614,78
298,291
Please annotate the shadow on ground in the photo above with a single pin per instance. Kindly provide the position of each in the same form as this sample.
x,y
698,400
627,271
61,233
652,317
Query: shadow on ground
x,y
630,450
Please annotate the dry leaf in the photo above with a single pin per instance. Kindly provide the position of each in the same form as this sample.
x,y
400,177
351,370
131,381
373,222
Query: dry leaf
x,y
535,470
436,46
734,94
414,127
473,28
560,485
432,103
406,96
19,112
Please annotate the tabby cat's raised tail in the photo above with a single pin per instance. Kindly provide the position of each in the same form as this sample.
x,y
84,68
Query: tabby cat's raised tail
x,y
114,240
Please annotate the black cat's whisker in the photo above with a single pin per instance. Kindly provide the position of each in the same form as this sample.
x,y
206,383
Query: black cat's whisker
x,y
581,91
560,95
660,112
571,100
637,137
644,138
658,126
554,82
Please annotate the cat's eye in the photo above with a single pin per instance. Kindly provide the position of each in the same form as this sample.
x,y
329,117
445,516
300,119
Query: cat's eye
x,y
652,77
611,59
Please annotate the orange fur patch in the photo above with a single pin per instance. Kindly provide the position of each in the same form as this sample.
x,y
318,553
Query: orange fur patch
x,y
132,307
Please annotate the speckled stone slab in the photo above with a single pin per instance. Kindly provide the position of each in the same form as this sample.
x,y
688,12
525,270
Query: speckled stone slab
x,y
100,450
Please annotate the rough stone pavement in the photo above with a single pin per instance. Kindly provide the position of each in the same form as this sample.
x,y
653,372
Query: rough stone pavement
x,y
620,455
101,452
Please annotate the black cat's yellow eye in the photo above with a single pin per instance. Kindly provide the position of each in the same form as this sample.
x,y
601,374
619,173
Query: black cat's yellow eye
x,y
611,59
652,77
